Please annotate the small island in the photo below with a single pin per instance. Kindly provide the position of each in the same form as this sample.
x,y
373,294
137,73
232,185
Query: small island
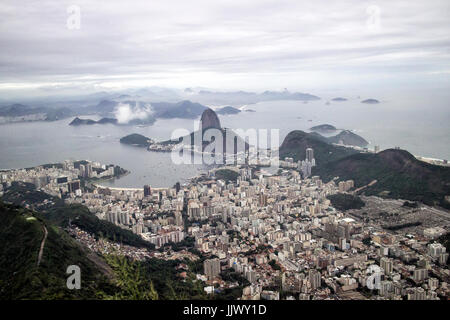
x,y
141,141
79,122
323,128
348,138
339,99
370,101
227,110
136,139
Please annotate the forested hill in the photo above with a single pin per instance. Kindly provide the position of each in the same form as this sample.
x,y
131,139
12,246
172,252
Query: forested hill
x,y
22,233
398,173
296,142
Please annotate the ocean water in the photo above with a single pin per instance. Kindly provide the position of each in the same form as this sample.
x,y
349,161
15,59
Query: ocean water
x,y
412,123
415,124
30,144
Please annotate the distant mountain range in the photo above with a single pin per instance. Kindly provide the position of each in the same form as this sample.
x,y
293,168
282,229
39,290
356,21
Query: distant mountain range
x,y
48,114
165,104
244,97
165,110
184,109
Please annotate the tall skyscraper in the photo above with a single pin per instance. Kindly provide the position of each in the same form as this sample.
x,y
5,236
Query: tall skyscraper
x,y
147,190
212,268
387,265
420,275
73,186
88,172
263,200
315,279
178,218
82,169
309,154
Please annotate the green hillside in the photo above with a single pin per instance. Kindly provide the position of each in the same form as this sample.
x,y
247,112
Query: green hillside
x,y
21,234
296,142
24,232
54,209
398,173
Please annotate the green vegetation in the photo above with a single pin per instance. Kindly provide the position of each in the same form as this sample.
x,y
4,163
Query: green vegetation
x,y
343,201
227,175
398,175
234,293
445,240
56,211
274,265
21,278
167,281
232,276
130,280
108,277
259,249
186,244
296,142
229,293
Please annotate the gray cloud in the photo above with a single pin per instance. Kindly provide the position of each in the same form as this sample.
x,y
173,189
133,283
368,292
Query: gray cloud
x,y
220,43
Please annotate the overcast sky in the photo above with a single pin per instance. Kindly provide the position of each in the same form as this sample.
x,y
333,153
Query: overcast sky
x,y
251,45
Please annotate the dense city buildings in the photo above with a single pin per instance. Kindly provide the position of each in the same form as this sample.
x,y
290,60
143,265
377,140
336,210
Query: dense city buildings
x,y
279,232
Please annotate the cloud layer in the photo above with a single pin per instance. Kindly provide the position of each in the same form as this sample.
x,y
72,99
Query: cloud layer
x,y
247,44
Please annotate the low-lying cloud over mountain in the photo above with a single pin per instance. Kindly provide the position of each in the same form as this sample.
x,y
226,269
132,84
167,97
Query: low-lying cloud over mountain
x,y
125,112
